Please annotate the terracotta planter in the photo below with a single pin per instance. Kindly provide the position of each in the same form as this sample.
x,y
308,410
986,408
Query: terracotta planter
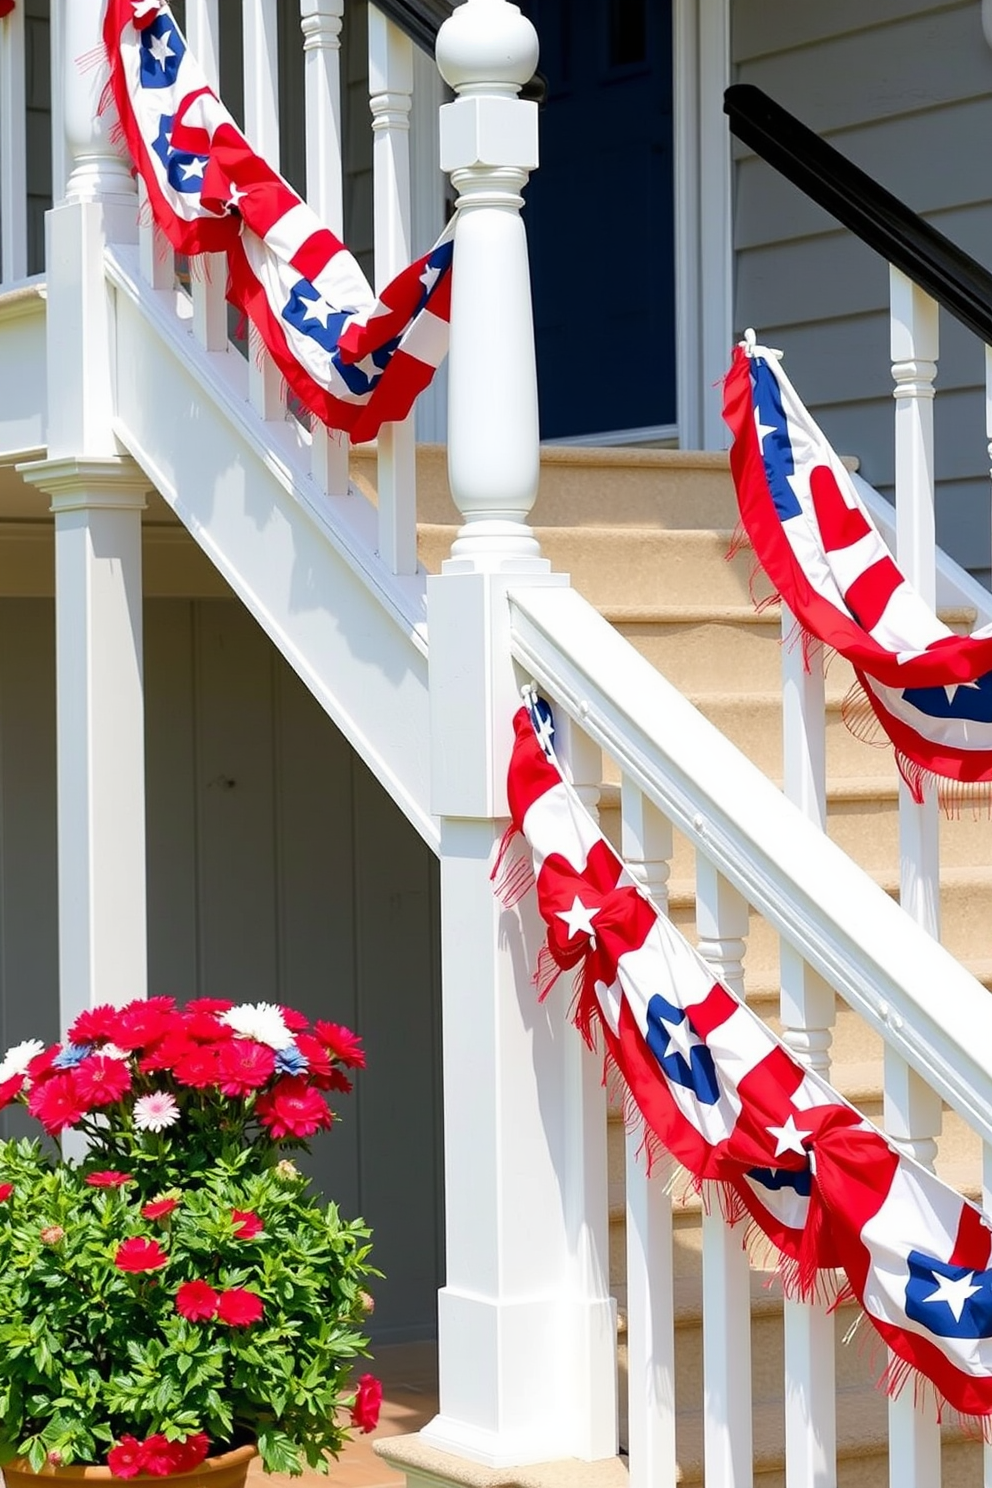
x,y
228,1470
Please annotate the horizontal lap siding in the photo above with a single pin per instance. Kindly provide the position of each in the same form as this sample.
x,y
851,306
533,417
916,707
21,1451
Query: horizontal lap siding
x,y
907,95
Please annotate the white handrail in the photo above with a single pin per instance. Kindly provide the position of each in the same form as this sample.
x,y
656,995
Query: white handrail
x,y
923,1002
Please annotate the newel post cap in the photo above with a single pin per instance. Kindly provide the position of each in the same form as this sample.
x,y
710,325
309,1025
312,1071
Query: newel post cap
x,y
487,46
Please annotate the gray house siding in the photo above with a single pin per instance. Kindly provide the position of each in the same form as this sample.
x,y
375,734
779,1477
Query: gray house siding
x,y
904,88
278,871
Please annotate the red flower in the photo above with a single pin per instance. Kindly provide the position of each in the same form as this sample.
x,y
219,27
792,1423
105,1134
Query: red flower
x,y
101,1081
319,1067
6,1189
143,1022
343,1044
239,1307
139,1254
294,1021
206,1028
292,1109
198,1068
94,1025
196,1301
191,1452
127,1459
161,1455
166,1054
56,1103
208,1005
338,1080
159,1208
244,1066
365,1411
10,1090
40,1067
108,1179
246,1224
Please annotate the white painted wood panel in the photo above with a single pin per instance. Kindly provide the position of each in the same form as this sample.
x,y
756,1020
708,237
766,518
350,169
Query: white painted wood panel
x,y
760,27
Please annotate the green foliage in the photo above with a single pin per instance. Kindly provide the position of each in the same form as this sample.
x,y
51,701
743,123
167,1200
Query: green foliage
x,y
90,1352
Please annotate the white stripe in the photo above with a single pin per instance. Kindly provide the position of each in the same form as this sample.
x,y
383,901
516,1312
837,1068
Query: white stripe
x,y
556,823
906,614
287,235
918,1213
426,339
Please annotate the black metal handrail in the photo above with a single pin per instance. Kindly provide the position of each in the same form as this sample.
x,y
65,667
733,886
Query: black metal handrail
x,y
952,277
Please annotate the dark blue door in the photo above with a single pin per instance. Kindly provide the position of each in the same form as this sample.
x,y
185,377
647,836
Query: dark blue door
x,y
599,216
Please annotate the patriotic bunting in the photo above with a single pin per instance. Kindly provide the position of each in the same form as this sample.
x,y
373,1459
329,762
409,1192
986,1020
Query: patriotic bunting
x,y
716,1089
929,689
354,361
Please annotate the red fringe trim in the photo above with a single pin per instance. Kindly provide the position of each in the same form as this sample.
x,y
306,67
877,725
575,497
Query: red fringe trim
x,y
512,874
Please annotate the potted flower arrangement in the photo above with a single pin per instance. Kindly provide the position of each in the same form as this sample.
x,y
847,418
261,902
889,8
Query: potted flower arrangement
x,y
176,1300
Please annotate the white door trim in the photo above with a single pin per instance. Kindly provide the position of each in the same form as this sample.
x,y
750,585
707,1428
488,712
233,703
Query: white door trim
x,y
703,218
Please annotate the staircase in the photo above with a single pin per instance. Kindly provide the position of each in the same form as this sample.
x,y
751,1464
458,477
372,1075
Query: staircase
x,y
658,570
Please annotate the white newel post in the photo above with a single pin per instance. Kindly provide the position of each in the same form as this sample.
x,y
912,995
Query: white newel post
x,y
510,1309
912,1110
97,497
320,21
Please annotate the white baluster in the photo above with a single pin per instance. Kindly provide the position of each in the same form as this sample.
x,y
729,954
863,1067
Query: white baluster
x,y
155,254
60,154
208,275
13,150
97,497
592,1346
321,24
721,923
261,74
807,1013
912,1110
390,98
647,850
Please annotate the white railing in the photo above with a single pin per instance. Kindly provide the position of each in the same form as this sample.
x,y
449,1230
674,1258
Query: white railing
x,y
391,71
839,932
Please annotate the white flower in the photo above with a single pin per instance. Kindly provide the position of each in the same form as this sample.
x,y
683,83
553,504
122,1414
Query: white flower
x,y
156,1111
261,1021
111,1051
17,1059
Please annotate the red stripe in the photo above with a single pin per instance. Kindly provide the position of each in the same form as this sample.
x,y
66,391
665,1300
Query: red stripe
x,y
531,773
316,252
715,1008
871,591
973,1242
840,525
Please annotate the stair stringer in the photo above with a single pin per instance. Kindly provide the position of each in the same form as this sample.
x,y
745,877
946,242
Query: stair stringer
x,y
303,563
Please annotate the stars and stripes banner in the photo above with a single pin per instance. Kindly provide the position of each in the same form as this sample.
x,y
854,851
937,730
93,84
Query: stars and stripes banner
x,y
353,360
716,1089
929,689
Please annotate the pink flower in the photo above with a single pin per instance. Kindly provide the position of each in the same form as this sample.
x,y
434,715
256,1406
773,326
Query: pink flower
x,y
101,1081
368,1400
56,1103
143,1022
159,1208
343,1044
127,1459
246,1224
139,1254
155,1112
244,1066
40,1067
239,1307
196,1301
292,1109
52,1235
